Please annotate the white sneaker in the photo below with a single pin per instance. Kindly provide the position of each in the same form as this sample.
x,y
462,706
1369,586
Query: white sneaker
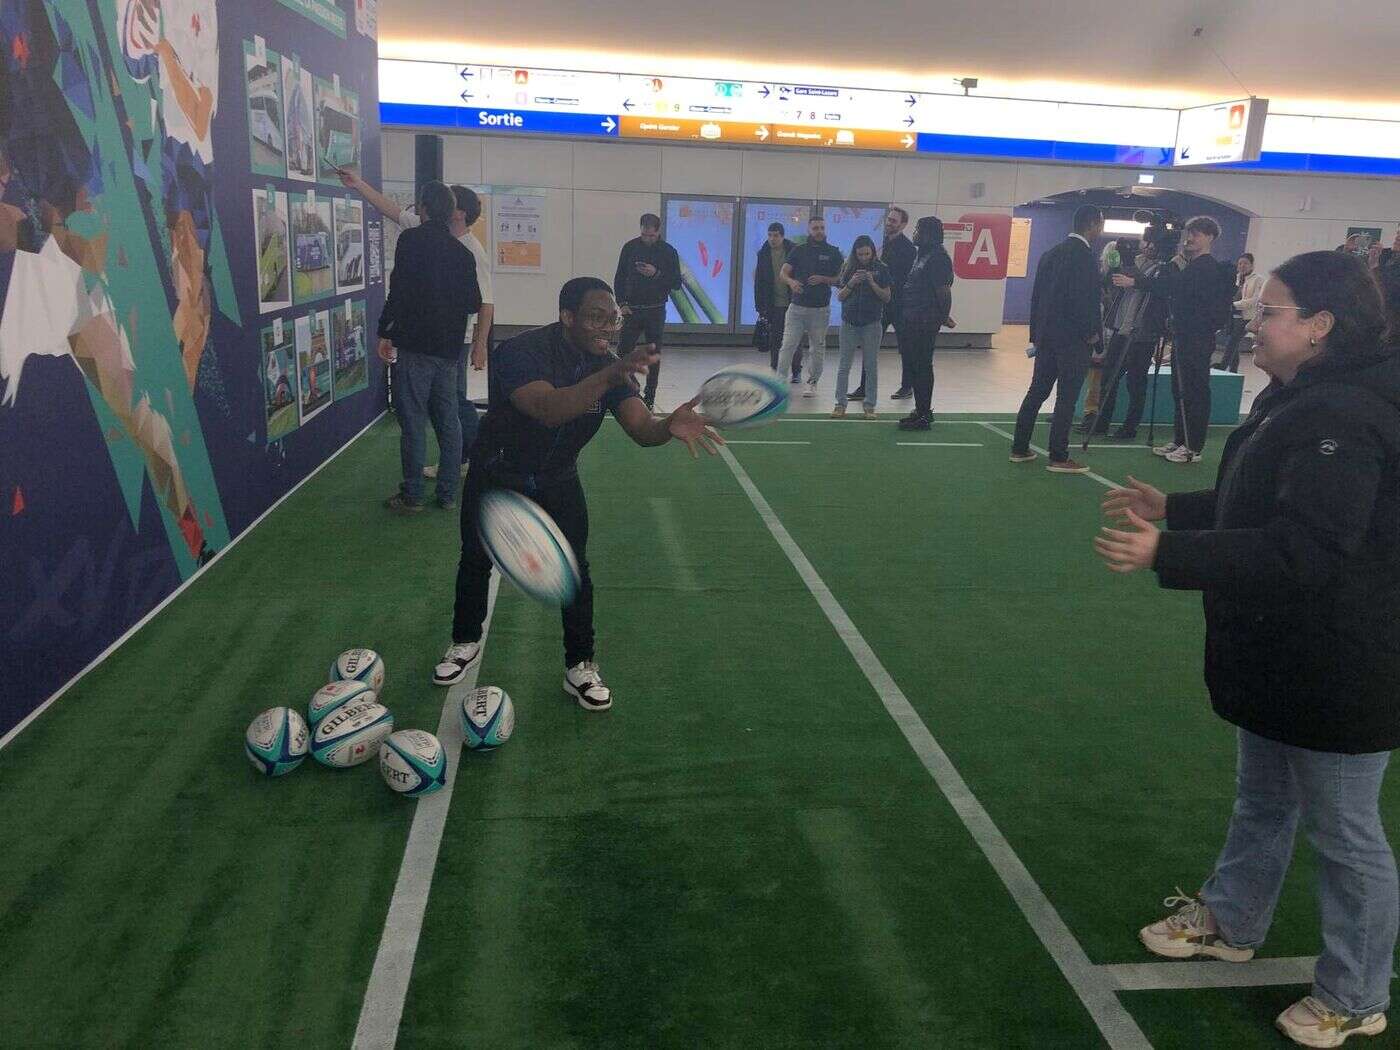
x,y
456,662
1310,1023
1182,454
584,683
430,471
1165,450
811,390
1190,932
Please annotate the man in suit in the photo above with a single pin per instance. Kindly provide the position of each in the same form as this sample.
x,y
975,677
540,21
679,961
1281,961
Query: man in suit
x,y
1066,325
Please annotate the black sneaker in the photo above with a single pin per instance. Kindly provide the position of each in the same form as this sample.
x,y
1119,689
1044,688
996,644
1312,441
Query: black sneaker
x,y
447,504
400,505
858,394
1123,435
916,422
904,393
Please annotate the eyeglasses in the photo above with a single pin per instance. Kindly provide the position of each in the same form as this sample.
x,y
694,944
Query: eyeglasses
x,y
602,319
1266,311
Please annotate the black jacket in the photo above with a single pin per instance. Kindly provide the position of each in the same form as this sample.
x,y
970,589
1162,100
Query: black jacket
x,y
631,288
1296,552
927,296
427,310
1194,295
898,253
763,276
1065,300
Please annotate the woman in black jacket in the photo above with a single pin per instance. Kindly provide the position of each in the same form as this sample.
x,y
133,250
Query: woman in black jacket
x,y
1295,552
926,303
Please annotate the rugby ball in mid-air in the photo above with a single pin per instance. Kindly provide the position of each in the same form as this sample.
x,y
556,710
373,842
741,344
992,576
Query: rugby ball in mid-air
x,y
359,665
276,741
527,547
743,396
413,763
334,695
351,734
488,718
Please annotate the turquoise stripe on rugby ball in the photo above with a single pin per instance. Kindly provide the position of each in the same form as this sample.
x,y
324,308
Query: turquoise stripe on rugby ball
x,y
405,768
276,741
351,735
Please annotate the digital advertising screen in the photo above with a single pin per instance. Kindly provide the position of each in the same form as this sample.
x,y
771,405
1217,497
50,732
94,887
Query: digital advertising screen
x,y
702,232
846,222
757,216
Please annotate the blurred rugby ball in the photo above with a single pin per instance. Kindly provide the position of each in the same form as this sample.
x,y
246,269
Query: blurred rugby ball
x,y
743,396
351,734
276,741
488,718
359,665
335,695
413,763
527,547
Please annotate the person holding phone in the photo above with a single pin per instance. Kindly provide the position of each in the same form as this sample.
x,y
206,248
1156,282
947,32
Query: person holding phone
x,y
648,271
864,290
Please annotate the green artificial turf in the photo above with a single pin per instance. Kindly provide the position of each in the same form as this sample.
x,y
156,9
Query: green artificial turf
x,y
743,852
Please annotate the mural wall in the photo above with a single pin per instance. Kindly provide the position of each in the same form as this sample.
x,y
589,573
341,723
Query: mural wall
x,y
185,292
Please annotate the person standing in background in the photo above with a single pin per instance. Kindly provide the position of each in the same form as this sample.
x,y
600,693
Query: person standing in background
x,y
648,271
771,294
1066,324
810,272
897,253
864,294
1248,287
925,306
1135,326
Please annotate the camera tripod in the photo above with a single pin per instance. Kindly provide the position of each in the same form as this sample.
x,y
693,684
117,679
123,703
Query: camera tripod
x,y
1110,388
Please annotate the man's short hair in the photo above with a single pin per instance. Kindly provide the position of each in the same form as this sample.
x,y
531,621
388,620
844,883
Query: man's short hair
x,y
816,218
1087,218
1203,224
651,222
1248,255
777,227
576,289
903,215
468,203
437,202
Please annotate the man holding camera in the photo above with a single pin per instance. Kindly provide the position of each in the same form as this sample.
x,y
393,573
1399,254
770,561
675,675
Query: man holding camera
x,y
1136,320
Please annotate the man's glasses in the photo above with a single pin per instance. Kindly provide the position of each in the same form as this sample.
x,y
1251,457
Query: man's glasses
x,y
601,319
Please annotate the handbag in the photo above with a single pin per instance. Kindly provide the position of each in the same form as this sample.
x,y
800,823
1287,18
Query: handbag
x,y
762,330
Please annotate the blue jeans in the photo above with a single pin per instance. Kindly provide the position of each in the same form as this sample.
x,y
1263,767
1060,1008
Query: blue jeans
x,y
427,390
866,339
466,409
1337,798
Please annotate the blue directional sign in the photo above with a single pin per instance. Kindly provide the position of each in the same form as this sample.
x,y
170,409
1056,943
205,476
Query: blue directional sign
x,y
474,118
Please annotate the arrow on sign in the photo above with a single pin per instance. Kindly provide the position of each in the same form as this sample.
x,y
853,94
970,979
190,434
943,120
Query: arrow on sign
x,y
910,99
609,124
466,96
762,133
627,104
907,142
764,91
467,74
909,121
1186,153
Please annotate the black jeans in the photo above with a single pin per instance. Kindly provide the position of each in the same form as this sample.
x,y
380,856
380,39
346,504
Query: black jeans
x,y
1191,355
1139,360
916,339
563,500
1061,369
648,323
777,321
1231,362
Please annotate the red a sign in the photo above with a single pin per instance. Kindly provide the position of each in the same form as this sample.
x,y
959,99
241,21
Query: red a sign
x,y
983,255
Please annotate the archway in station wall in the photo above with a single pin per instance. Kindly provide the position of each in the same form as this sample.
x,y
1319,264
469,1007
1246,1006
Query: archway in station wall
x,y
1050,219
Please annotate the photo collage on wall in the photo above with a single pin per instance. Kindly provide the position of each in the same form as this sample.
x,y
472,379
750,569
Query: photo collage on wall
x,y
311,243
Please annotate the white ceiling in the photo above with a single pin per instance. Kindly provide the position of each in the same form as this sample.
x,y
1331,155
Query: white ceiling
x,y
1315,56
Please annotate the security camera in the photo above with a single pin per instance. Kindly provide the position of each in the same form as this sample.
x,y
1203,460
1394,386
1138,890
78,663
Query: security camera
x,y
966,83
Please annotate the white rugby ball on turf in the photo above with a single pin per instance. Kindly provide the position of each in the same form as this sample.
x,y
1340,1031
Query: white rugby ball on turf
x,y
359,665
351,734
743,396
527,547
488,718
334,695
413,763
276,741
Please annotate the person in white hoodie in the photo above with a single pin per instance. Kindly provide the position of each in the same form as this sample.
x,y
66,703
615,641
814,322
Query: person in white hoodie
x,y
1249,286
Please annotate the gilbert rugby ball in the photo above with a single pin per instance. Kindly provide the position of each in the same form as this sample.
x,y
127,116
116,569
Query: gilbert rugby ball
x,y
359,665
276,741
413,763
351,734
527,547
743,396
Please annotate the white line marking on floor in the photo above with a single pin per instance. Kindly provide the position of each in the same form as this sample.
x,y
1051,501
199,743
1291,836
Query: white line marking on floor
x,y
1036,448
1094,989
940,444
382,1008
28,719
1160,976
665,512
767,442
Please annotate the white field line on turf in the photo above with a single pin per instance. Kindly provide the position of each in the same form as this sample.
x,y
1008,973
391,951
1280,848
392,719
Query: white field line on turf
x,y
1257,973
665,512
940,444
1036,448
382,1009
1092,987
727,442
27,719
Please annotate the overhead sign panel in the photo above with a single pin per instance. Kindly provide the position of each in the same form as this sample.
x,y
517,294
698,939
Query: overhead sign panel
x,y
1224,133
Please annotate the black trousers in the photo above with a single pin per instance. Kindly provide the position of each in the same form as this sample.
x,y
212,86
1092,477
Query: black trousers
x,y
645,324
777,323
1062,369
1134,373
1231,363
1191,354
562,500
916,341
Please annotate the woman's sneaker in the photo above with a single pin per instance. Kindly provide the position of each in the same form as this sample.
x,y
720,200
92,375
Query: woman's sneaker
x,y
456,662
1165,450
584,683
1182,454
1309,1022
1190,932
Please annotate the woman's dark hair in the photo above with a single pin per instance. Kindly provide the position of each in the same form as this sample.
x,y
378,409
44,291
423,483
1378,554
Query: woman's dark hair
x,y
929,229
863,241
438,202
571,296
1341,285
